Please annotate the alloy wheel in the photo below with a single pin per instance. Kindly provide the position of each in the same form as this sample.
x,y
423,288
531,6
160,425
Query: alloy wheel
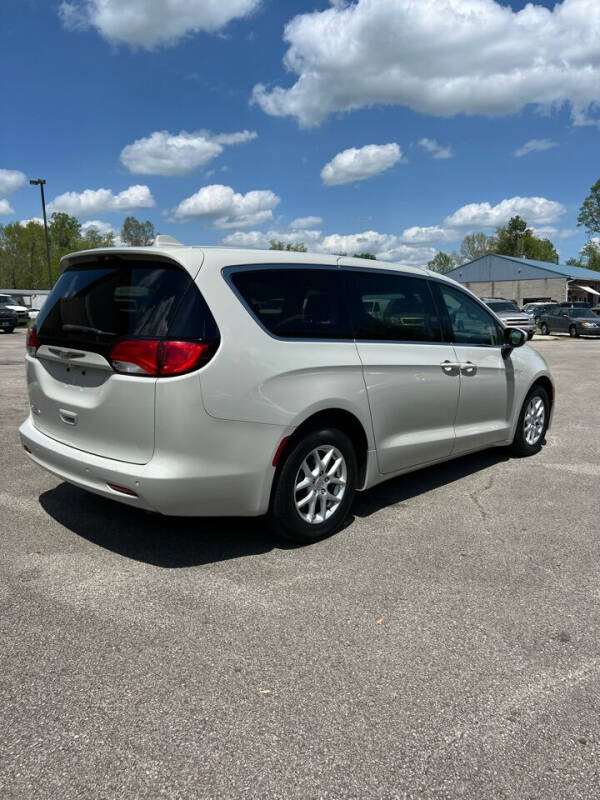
x,y
320,484
534,420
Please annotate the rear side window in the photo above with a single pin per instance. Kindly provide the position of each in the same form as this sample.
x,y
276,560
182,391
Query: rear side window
x,y
96,303
296,303
393,308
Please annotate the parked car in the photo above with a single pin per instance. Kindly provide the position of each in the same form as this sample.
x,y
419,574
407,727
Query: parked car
x,y
510,313
6,301
575,304
33,312
542,308
574,321
8,319
230,382
535,309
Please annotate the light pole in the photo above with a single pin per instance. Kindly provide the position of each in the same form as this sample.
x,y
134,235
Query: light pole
x,y
40,182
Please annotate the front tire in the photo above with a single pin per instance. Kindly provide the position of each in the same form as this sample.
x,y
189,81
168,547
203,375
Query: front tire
x,y
9,330
533,423
573,332
314,487
545,329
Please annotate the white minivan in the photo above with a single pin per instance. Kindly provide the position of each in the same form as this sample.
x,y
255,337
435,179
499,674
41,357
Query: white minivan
x,y
210,381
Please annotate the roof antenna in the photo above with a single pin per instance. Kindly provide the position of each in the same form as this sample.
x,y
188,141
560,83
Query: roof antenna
x,y
162,240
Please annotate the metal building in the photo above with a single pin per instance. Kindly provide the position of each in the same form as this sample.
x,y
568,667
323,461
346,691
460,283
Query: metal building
x,y
525,280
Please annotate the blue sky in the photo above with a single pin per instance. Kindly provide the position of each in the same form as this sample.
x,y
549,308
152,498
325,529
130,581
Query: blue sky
x,y
468,81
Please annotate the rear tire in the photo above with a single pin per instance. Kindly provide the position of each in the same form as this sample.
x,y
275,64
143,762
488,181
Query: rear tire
x,y
533,423
316,479
9,330
573,333
545,329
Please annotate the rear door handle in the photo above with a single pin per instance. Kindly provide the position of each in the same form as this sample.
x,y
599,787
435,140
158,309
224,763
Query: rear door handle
x,y
468,368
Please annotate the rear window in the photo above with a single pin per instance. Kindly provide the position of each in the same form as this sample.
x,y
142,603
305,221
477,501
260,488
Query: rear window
x,y
296,303
95,303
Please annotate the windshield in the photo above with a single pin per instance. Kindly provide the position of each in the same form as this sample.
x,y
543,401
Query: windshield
x,y
6,300
502,305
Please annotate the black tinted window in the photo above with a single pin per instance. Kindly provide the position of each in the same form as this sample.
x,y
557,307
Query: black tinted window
x,y
95,303
393,307
471,324
296,303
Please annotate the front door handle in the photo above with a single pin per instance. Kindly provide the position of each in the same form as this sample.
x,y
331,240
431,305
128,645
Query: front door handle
x,y
468,368
450,367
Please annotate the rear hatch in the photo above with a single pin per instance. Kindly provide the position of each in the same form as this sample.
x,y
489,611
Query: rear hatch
x,y
101,301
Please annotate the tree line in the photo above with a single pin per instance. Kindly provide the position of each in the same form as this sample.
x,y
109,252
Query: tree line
x,y
516,239
23,263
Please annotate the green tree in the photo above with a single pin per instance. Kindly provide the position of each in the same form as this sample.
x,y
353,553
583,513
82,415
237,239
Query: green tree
x,y
589,213
589,257
23,256
65,231
441,262
365,255
297,247
516,239
93,238
23,262
475,245
137,234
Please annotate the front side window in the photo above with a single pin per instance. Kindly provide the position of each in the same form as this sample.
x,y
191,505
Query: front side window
x,y
470,323
392,307
296,303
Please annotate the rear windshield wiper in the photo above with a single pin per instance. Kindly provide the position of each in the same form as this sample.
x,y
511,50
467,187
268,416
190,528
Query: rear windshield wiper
x,y
87,329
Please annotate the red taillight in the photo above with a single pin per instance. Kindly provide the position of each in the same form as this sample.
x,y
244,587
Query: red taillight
x,y
136,356
159,358
32,341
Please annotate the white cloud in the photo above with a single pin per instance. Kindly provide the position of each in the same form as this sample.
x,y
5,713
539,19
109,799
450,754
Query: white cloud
x,y
10,181
441,57
358,164
225,208
535,210
164,153
258,240
148,23
98,225
102,201
550,232
535,145
5,207
428,235
25,222
386,247
305,222
435,148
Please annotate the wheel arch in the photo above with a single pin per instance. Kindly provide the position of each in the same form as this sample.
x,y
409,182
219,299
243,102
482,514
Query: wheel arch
x,y
338,418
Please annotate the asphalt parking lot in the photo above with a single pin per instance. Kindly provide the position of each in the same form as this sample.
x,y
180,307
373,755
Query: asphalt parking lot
x,y
445,645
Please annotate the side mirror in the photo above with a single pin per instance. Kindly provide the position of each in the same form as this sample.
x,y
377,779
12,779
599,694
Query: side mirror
x,y
513,337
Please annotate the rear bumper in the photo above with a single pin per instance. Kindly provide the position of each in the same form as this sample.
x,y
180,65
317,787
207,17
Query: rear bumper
x,y
170,485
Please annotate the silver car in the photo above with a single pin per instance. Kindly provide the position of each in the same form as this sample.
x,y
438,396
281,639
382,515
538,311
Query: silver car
x,y
510,313
212,381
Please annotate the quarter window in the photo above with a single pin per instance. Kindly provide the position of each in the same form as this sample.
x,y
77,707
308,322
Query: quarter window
x,y
393,308
471,324
296,303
